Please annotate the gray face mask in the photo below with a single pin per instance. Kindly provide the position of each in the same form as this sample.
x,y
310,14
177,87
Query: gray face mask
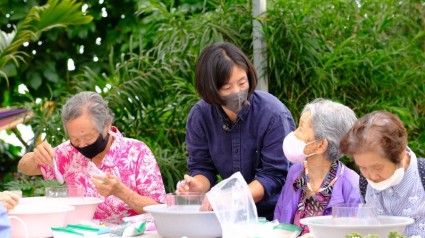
x,y
235,101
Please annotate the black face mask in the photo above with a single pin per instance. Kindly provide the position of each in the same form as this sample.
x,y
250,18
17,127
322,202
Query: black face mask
x,y
94,149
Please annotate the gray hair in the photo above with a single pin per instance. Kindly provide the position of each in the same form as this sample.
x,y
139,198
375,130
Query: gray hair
x,y
91,102
331,121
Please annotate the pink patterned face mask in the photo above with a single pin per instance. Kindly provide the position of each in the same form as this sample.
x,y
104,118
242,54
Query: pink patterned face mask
x,y
293,148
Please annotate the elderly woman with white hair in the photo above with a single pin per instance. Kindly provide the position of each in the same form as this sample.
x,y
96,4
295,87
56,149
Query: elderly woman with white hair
x,y
317,180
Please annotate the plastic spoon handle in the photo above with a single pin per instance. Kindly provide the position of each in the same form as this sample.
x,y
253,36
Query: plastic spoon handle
x,y
58,175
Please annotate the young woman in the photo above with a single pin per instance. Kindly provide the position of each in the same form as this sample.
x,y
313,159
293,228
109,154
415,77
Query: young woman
x,y
235,128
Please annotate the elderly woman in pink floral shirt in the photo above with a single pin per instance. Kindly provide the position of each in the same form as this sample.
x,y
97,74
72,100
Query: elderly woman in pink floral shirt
x,y
99,159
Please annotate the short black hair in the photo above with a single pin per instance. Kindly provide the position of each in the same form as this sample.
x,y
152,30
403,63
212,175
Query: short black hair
x,y
214,68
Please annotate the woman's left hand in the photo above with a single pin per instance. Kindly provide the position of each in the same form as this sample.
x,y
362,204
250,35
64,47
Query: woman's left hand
x,y
107,185
206,205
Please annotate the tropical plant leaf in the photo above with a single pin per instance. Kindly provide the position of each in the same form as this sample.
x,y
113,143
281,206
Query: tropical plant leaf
x,y
55,13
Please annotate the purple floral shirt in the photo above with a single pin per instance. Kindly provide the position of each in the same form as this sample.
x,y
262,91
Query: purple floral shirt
x,y
128,159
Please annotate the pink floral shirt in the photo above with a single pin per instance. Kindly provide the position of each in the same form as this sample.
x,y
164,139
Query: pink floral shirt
x,y
128,159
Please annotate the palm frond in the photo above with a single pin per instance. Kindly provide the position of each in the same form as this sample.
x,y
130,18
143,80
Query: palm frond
x,y
53,14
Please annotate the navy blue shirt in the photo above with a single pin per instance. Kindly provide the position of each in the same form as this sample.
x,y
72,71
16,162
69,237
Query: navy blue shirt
x,y
251,145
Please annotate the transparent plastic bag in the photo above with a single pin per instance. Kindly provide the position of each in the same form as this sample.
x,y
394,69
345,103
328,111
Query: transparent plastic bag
x,y
234,206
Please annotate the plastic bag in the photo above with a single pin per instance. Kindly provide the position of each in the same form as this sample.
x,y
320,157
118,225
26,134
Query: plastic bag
x,y
128,229
234,207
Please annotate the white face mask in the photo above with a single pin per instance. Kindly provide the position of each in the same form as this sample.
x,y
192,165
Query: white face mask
x,y
294,148
389,182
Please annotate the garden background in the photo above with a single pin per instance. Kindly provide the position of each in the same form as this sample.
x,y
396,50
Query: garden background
x,y
140,56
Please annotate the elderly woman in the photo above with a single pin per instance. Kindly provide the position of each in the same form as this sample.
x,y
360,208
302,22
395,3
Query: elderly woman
x,y
99,159
317,180
377,143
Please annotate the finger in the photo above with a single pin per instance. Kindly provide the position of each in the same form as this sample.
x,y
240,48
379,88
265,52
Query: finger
x,y
180,184
206,206
99,177
14,198
8,205
50,150
41,155
111,176
187,182
187,177
99,180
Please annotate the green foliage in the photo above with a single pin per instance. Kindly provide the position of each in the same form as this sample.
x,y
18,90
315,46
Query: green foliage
x,y
392,234
39,19
150,88
31,186
368,55
8,162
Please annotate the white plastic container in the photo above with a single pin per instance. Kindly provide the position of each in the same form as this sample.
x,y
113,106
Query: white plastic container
x,y
85,207
324,226
35,220
187,221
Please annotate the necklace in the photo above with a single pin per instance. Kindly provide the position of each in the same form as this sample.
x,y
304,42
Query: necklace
x,y
320,189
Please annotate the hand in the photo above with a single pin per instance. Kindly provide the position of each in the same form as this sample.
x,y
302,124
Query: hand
x,y
9,200
206,205
189,184
43,153
107,185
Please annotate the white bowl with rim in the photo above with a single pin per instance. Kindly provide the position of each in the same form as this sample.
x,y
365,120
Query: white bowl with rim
x,y
36,220
186,221
85,207
325,227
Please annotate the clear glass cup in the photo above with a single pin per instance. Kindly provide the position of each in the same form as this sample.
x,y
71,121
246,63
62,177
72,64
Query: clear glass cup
x,y
362,214
185,199
62,192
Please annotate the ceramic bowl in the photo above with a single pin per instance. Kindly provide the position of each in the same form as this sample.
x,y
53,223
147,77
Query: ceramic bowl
x,y
184,221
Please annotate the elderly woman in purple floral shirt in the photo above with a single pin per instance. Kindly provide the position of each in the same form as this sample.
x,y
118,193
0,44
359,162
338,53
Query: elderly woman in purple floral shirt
x,y
99,159
317,180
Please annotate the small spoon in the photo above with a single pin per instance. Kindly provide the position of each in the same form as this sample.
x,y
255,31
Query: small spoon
x,y
58,175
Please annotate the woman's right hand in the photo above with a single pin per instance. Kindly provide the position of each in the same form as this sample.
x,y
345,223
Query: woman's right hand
x,y
43,153
9,200
189,184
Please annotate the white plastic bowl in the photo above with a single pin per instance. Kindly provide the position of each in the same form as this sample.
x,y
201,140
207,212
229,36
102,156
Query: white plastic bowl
x,y
84,206
37,219
173,222
323,227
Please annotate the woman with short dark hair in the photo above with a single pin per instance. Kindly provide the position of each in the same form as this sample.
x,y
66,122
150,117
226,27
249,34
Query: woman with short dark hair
x,y
235,128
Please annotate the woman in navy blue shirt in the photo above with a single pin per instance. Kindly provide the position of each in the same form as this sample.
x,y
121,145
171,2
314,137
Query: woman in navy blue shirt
x,y
235,128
